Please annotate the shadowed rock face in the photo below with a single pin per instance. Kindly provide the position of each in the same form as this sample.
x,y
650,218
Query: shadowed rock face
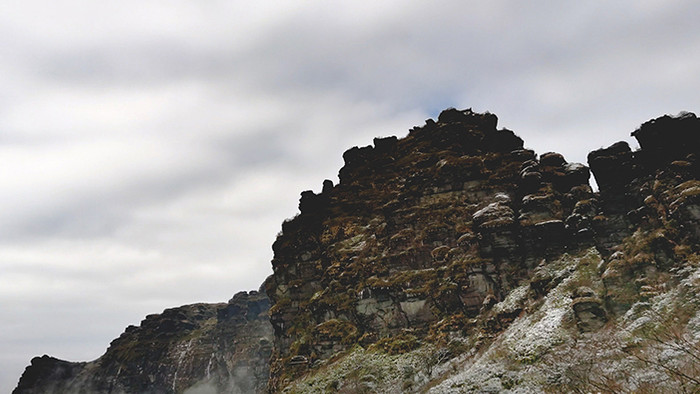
x,y
656,183
427,231
215,347
668,138
649,219
419,230
453,234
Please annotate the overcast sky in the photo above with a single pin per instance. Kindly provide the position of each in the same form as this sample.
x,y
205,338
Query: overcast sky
x,y
151,149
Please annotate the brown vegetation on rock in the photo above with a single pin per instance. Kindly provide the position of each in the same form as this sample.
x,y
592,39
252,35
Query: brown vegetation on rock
x,y
458,240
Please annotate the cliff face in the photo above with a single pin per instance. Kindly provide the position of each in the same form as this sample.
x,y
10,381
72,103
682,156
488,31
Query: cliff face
x,y
455,240
194,348
452,260
419,235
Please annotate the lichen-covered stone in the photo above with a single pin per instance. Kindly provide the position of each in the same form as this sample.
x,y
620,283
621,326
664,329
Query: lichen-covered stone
x,y
589,310
419,229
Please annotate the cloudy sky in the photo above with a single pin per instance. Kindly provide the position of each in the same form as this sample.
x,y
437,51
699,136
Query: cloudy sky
x,y
151,149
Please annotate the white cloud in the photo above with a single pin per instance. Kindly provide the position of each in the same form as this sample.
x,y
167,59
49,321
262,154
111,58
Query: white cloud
x,y
152,149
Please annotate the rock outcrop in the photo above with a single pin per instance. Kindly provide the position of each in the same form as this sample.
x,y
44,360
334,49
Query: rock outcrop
x,y
426,238
452,260
193,348
419,231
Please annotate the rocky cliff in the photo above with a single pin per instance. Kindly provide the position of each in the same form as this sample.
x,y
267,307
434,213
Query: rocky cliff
x,y
199,348
419,235
456,260
455,242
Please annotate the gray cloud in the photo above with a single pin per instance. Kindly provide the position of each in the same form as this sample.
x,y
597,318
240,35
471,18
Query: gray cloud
x,y
151,150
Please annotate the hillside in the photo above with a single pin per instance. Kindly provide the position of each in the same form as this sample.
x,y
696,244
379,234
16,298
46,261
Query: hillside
x,y
193,348
453,260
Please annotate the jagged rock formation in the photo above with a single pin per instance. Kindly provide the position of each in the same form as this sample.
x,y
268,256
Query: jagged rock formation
x,y
454,260
456,236
650,205
417,235
195,348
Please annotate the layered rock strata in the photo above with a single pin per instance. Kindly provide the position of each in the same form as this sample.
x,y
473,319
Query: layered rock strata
x,y
452,260
649,218
456,237
194,348
418,234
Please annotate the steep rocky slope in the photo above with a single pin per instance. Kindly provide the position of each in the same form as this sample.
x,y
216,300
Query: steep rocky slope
x,y
452,260
199,348
419,235
456,260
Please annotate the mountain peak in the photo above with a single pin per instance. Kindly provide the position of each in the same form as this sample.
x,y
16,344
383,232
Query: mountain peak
x,y
452,260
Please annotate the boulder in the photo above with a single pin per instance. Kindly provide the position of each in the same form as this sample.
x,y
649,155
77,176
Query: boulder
x,y
588,309
668,138
613,167
552,159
